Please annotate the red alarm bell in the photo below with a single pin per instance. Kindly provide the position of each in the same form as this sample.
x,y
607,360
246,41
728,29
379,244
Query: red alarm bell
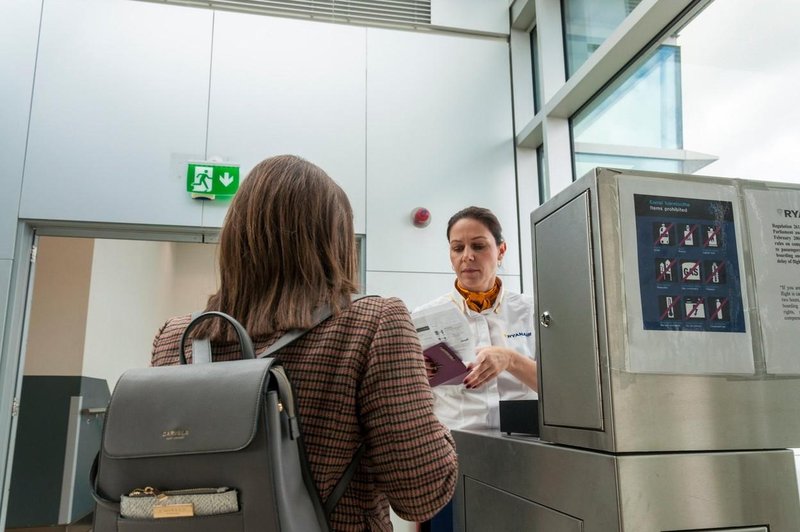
x,y
421,217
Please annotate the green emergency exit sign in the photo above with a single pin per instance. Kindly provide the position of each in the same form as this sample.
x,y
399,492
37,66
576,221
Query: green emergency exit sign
x,y
209,180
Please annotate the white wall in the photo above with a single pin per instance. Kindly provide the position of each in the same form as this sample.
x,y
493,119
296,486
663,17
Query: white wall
x,y
400,119
289,86
19,22
477,15
439,135
193,278
114,113
135,287
113,126
128,299
57,322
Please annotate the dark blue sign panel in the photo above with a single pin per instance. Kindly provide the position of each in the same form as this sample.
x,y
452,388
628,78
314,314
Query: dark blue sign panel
x,y
688,264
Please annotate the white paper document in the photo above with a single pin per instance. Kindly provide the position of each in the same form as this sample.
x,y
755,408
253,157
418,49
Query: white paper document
x,y
444,323
774,215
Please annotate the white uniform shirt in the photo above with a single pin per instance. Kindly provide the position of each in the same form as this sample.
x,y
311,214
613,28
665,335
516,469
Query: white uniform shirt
x,y
509,323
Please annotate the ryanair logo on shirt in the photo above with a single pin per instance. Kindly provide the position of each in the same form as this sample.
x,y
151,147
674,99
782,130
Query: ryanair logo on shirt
x,y
517,334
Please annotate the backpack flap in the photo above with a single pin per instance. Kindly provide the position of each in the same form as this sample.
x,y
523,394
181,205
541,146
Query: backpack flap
x,y
190,409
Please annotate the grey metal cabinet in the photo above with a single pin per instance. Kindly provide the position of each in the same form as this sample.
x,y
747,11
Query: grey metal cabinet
x,y
618,372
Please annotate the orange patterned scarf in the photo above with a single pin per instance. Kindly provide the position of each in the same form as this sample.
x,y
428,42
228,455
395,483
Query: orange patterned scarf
x,y
480,301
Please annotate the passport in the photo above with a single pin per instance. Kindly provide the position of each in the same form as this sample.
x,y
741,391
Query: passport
x,y
450,369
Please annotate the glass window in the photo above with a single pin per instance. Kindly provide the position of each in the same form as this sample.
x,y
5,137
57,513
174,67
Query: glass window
x,y
544,182
715,97
640,110
740,64
537,94
585,162
587,23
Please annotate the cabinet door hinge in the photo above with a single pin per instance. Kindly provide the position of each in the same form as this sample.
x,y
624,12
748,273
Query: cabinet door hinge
x,y
14,407
34,250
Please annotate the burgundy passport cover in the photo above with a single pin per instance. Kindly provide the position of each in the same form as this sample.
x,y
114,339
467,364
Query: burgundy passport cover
x,y
449,367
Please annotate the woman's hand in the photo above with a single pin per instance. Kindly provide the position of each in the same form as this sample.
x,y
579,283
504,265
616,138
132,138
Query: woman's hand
x,y
491,360
430,367
488,364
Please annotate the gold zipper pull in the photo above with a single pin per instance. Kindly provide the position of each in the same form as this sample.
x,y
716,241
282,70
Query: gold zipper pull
x,y
144,492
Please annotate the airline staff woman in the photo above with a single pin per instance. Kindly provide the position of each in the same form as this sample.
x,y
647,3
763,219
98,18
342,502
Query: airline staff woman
x,y
501,322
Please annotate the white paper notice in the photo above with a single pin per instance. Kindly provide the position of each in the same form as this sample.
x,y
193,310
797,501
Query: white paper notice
x,y
444,323
676,320
774,221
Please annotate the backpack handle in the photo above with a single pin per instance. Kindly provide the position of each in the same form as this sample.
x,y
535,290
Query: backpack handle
x,y
244,339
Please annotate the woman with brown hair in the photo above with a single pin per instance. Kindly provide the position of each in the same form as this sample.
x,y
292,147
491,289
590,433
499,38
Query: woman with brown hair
x,y
501,361
286,248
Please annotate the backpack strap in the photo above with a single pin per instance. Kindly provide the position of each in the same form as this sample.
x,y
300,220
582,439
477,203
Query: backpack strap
x,y
338,490
201,349
286,393
99,499
287,400
320,314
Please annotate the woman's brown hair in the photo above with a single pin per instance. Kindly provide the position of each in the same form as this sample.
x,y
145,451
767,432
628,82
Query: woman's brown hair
x,y
484,216
286,247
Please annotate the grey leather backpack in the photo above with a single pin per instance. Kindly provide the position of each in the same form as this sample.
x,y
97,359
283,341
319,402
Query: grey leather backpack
x,y
208,447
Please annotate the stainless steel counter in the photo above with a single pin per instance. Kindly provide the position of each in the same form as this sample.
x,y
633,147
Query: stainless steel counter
x,y
509,483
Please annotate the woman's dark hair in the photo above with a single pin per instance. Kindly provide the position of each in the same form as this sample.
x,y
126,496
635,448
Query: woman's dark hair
x,y
484,216
286,247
